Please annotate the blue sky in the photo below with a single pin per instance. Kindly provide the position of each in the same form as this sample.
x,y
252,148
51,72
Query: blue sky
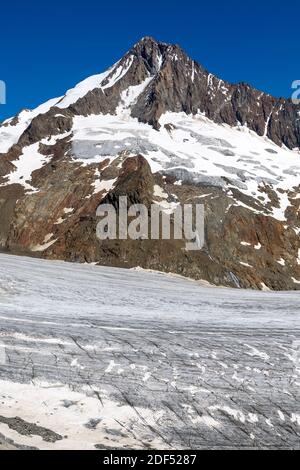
x,y
47,47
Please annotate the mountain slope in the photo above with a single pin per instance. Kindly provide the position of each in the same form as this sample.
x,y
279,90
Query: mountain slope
x,y
159,128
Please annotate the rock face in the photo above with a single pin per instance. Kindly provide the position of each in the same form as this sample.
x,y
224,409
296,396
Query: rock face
x,y
158,128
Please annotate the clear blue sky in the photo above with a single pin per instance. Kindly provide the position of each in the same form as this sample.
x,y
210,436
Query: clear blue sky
x,y
47,47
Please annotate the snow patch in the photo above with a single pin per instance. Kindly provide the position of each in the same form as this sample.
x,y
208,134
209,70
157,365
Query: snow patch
x,y
29,161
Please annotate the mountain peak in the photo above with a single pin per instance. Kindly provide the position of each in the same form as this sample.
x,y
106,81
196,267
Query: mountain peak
x,y
148,43
154,78
155,53
147,40
150,127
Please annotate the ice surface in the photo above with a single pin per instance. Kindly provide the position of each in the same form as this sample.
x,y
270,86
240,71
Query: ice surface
x,y
196,150
112,357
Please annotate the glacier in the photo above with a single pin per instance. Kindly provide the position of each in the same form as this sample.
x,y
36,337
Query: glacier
x,y
103,358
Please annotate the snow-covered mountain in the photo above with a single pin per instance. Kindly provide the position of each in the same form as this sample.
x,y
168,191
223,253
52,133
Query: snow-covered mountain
x,y
158,127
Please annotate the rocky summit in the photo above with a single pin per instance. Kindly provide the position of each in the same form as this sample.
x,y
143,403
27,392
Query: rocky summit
x,y
158,128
